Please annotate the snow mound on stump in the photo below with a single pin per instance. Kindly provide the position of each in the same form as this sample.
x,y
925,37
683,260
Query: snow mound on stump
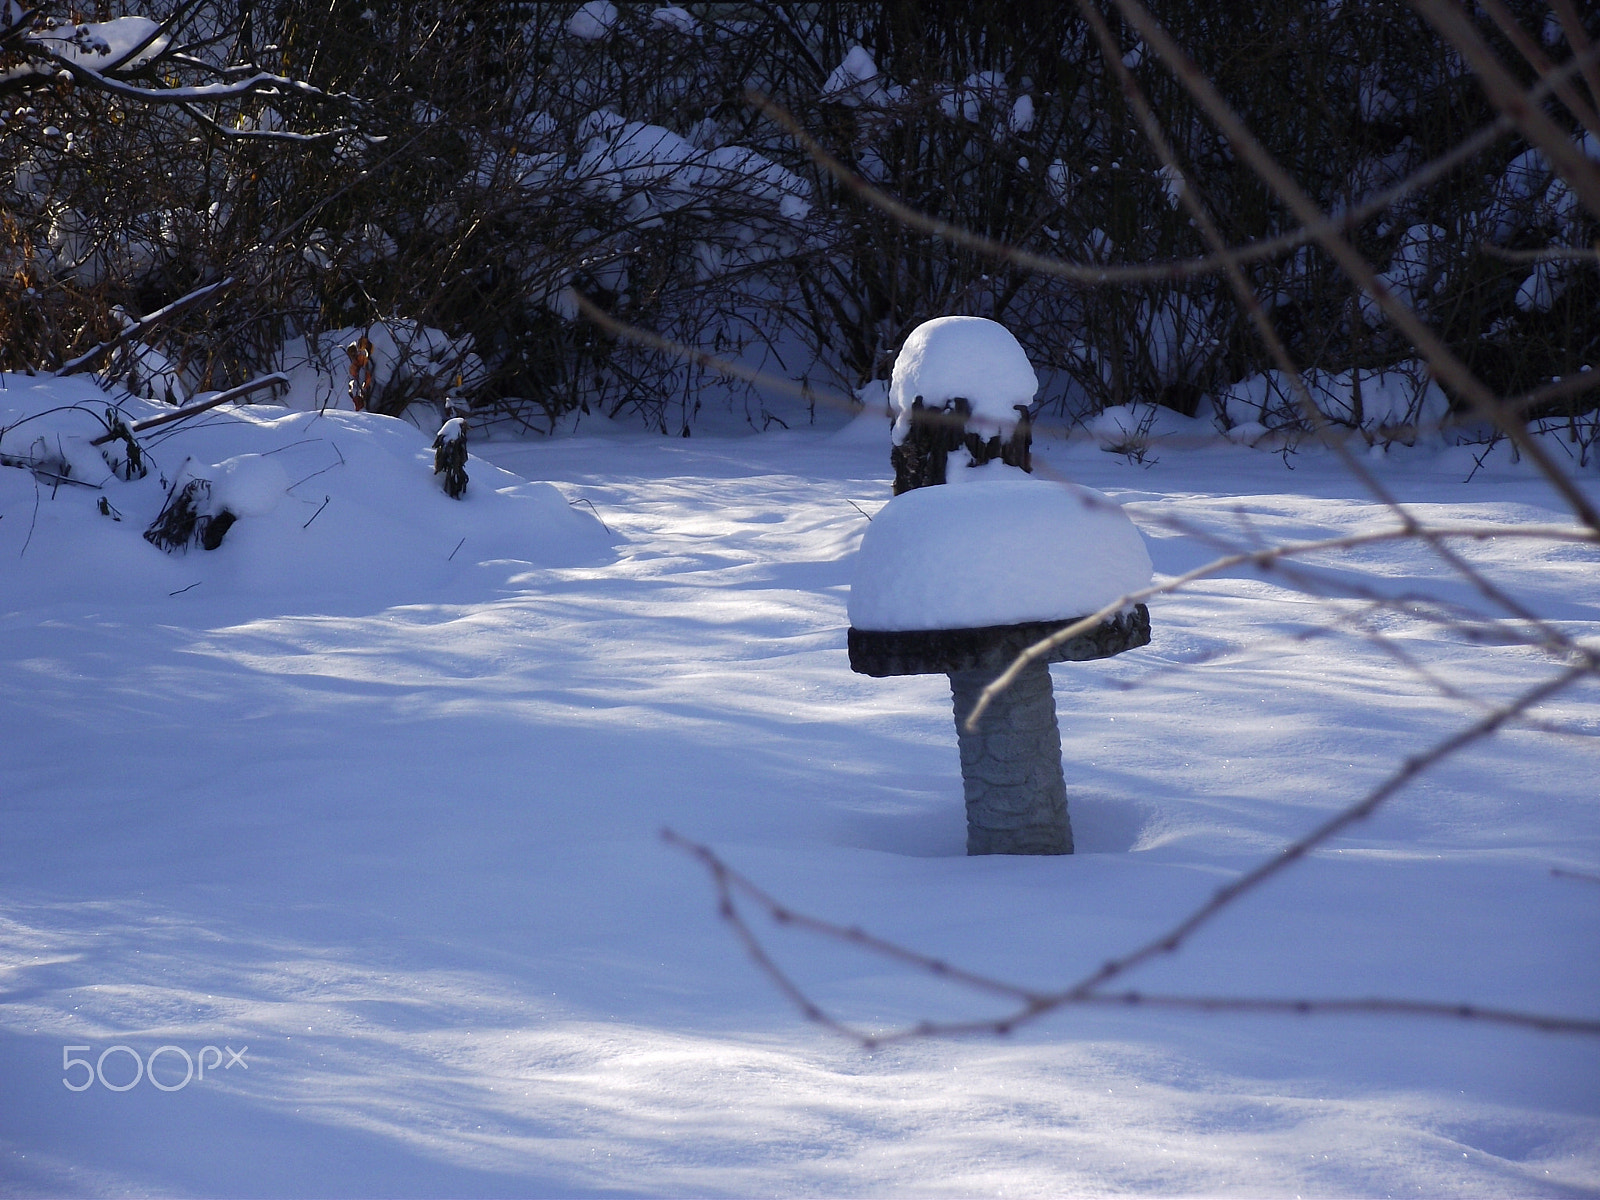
x,y
248,485
994,552
972,358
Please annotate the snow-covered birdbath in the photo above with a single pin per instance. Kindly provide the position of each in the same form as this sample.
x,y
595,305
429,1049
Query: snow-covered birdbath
x,y
959,580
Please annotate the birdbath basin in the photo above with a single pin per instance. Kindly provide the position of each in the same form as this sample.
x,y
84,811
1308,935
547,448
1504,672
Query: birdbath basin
x,y
958,580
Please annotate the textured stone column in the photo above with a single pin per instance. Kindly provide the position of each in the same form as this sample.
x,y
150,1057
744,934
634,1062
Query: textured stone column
x,y
1011,766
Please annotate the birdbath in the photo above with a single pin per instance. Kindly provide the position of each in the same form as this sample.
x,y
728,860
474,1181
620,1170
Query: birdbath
x,y
959,579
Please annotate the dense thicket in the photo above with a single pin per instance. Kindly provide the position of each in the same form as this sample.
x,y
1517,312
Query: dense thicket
x,y
468,164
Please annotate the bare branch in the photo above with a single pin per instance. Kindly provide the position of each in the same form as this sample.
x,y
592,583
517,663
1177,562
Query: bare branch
x,y
258,83
1170,941
276,379
1580,172
1590,254
1033,1004
1586,876
1578,39
1246,295
1266,558
1107,274
87,360
1529,49
262,135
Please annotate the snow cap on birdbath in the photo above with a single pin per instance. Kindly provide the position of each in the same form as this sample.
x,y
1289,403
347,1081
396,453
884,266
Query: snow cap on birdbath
x,y
960,390
967,358
994,552
959,581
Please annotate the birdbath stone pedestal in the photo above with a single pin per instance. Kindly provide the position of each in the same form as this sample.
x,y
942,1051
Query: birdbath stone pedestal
x,y
1011,773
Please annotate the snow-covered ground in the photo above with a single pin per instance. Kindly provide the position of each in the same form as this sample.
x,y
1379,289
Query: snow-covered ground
x,y
379,809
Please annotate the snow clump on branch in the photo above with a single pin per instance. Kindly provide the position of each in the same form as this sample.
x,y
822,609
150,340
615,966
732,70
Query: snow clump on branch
x,y
593,21
855,81
622,157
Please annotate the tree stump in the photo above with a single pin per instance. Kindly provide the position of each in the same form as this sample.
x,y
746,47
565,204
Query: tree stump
x,y
450,456
922,459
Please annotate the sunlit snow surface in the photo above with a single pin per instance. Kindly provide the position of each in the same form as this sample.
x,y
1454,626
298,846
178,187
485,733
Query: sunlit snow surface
x,y
398,836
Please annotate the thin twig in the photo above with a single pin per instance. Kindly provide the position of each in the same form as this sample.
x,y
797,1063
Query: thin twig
x,y
314,474
593,509
1579,171
1171,940
1535,57
1589,254
1098,274
318,513
1033,1003
701,358
1263,559
1561,873
34,520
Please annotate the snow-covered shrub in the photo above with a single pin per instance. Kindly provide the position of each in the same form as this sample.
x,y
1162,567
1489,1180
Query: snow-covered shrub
x,y
410,363
546,152
1418,270
123,195
190,517
1400,403
514,157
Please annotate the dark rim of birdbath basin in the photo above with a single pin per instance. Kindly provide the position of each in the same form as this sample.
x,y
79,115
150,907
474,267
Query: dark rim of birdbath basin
x,y
882,653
